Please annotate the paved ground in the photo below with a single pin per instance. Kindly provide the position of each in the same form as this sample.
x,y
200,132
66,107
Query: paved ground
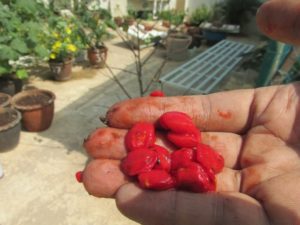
x,y
39,185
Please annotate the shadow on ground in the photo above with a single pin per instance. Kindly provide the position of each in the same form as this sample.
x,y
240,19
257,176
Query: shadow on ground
x,y
80,116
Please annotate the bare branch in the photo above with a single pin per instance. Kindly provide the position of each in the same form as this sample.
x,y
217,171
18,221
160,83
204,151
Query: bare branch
x,y
124,70
156,76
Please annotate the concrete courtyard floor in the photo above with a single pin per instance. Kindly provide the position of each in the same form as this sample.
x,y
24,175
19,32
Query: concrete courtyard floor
x,y
39,187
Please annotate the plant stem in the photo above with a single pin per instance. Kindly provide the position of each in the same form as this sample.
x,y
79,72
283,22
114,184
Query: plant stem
x,y
124,70
156,76
139,66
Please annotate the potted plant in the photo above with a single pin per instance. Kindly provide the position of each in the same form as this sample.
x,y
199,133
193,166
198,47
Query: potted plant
x,y
165,17
199,15
94,28
10,128
130,18
4,100
118,21
36,107
21,37
64,44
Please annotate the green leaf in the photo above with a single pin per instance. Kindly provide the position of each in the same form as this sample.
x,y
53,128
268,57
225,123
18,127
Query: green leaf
x,y
19,45
7,53
41,51
4,70
22,74
4,38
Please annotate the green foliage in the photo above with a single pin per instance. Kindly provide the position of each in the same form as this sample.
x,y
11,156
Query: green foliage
x,y
21,34
132,14
94,25
238,11
174,16
63,40
201,14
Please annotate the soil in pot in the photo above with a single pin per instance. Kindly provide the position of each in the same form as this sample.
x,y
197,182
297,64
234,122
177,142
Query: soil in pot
x,y
10,128
4,99
37,108
61,71
97,56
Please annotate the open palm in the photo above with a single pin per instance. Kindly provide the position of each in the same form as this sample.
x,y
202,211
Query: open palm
x,y
255,130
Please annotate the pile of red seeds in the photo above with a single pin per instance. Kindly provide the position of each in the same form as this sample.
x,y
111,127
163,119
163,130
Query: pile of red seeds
x,y
192,167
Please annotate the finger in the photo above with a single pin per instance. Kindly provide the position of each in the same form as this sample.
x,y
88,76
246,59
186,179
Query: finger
x,y
279,19
103,177
171,207
225,112
108,143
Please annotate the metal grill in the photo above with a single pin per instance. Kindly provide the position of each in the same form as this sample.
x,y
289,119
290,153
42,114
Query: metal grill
x,y
202,73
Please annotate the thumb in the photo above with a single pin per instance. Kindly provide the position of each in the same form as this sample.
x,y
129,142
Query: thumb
x,y
176,207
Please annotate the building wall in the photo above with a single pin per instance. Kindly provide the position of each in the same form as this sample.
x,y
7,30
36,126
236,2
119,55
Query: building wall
x,y
118,7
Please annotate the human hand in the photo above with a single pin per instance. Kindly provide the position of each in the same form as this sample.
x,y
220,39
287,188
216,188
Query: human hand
x,y
257,133
279,19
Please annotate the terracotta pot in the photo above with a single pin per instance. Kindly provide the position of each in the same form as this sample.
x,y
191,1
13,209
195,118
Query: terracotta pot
x,y
10,128
97,56
129,21
36,107
166,23
4,99
118,21
148,27
61,70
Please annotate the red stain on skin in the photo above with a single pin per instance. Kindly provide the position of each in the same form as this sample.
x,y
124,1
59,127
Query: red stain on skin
x,y
225,114
251,177
214,137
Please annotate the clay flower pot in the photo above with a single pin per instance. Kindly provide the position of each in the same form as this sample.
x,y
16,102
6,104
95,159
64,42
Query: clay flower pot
x,y
4,100
61,70
36,107
10,128
177,46
166,23
97,56
118,21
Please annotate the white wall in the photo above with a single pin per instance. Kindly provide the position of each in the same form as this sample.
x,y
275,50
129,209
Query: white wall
x,y
118,7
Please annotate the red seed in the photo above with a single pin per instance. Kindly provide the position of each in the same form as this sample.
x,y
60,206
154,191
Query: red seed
x,y
187,140
178,122
195,178
78,176
141,135
157,93
181,158
164,158
209,158
156,180
140,161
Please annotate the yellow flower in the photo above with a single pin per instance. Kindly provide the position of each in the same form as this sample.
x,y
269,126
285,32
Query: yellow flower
x,y
68,30
52,56
71,48
56,45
